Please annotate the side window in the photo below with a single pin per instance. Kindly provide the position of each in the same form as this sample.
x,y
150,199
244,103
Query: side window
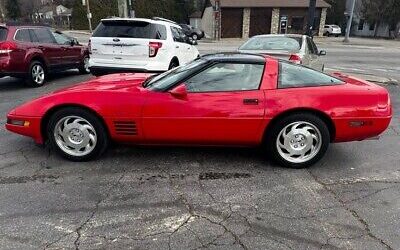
x,y
226,77
44,36
22,35
310,47
314,47
177,35
292,76
161,33
60,39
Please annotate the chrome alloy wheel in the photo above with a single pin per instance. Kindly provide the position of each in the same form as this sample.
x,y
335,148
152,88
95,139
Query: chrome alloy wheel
x,y
75,136
38,74
299,142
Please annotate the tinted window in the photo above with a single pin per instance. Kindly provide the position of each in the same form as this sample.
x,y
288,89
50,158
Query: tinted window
x,y
44,36
3,34
131,30
273,43
292,75
23,35
226,77
312,49
171,77
178,34
61,39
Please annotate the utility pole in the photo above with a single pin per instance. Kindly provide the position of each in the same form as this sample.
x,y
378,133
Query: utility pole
x,y
89,14
311,17
122,8
349,22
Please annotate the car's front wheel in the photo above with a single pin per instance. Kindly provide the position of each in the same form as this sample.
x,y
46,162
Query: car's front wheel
x,y
37,74
298,140
77,134
195,37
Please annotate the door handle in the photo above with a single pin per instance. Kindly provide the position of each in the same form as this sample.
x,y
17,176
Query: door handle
x,y
177,46
116,40
40,47
250,101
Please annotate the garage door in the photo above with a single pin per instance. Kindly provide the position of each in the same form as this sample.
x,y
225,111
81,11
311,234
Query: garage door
x,y
231,23
260,21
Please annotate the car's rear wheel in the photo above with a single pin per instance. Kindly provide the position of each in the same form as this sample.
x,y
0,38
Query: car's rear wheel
x,y
84,68
173,64
37,74
298,140
77,134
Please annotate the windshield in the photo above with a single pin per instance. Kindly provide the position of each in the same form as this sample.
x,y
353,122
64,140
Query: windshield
x,y
273,43
166,79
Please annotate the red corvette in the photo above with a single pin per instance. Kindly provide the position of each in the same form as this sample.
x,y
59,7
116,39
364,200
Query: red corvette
x,y
292,111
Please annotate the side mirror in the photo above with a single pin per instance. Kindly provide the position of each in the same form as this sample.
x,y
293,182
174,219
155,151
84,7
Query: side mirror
x,y
322,53
72,42
179,92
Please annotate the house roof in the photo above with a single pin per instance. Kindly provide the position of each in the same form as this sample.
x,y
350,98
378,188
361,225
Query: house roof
x,y
270,3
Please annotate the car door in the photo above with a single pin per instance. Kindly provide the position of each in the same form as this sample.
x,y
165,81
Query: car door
x,y
72,52
223,105
48,45
180,46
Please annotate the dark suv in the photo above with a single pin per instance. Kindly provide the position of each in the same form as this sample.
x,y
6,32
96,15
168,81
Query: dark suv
x,y
32,52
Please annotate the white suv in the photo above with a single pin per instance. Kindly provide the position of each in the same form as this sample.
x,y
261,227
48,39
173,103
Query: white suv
x,y
138,45
332,30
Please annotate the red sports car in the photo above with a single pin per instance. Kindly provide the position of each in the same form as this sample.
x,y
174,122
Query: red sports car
x,y
292,111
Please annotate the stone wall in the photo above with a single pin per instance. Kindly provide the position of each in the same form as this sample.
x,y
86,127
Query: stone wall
x,y
275,21
246,23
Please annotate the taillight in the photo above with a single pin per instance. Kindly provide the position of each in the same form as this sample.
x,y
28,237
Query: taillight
x,y
153,48
90,46
295,59
7,47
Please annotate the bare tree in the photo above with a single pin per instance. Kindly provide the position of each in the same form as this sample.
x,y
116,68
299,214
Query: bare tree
x,y
382,12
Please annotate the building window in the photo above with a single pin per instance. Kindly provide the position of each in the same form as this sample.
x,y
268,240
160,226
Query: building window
x,y
297,23
361,24
372,26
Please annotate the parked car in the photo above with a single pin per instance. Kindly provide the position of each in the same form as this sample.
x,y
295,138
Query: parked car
x,y
192,32
332,30
299,49
33,52
223,99
139,45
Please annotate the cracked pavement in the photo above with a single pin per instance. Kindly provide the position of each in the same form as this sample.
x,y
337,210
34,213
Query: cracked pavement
x,y
195,198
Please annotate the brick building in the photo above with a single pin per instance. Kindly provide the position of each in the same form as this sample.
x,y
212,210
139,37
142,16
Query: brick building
x,y
243,19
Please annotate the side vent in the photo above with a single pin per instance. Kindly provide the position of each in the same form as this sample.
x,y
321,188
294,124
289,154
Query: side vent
x,y
125,128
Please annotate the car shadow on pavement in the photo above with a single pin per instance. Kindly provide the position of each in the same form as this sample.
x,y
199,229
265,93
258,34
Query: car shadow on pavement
x,y
11,83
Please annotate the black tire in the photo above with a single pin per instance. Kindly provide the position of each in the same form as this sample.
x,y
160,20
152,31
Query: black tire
x,y
96,73
195,36
83,68
173,64
98,126
274,132
32,80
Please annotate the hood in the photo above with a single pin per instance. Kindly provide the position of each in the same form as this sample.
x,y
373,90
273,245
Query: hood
x,y
113,82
